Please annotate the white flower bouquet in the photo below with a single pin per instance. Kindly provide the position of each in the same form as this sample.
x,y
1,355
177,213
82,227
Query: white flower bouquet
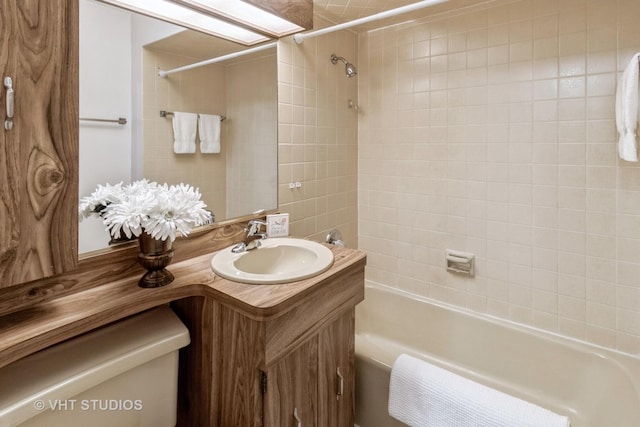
x,y
142,206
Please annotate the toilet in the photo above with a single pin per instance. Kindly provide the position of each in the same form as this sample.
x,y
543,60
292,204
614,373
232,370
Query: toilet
x,y
124,374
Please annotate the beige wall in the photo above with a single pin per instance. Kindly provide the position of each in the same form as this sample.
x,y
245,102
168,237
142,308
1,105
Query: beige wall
x,y
493,132
252,157
201,90
318,136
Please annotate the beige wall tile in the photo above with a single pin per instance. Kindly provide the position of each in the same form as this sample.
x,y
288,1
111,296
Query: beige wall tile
x,y
321,137
199,91
518,146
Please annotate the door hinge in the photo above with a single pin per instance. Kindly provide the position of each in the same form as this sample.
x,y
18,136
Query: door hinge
x,y
263,382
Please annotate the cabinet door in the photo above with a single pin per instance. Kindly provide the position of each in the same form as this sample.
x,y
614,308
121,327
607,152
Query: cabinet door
x,y
291,389
336,366
39,154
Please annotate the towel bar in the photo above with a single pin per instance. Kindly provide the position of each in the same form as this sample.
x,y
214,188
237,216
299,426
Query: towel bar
x,y
119,120
164,113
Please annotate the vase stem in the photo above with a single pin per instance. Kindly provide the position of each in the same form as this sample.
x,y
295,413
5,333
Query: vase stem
x,y
155,255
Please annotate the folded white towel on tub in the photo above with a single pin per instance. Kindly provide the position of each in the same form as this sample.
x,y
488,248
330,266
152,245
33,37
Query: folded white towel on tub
x,y
209,130
424,395
185,126
627,110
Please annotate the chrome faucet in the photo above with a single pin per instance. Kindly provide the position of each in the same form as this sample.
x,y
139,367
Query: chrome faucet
x,y
252,238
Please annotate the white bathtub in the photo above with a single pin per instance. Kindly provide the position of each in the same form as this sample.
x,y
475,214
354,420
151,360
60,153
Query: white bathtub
x,y
594,387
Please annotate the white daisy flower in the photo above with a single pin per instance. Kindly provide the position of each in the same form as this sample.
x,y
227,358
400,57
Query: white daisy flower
x,y
104,195
144,206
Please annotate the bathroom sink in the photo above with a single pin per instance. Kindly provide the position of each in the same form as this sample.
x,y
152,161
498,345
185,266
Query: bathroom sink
x,y
277,260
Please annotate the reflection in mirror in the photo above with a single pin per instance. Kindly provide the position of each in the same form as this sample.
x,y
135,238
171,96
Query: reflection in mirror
x,y
120,54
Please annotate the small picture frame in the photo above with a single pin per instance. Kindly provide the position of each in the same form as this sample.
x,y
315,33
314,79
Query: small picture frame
x,y
278,225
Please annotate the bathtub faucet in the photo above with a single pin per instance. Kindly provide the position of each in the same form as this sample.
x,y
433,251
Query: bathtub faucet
x,y
252,238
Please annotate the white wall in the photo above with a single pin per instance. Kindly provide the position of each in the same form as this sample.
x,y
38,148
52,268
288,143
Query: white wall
x,y
105,92
111,42
144,30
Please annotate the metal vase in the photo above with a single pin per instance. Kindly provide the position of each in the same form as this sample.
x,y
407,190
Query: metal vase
x,y
155,255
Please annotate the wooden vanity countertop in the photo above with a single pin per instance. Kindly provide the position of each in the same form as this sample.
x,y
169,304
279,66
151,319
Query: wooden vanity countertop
x,y
48,323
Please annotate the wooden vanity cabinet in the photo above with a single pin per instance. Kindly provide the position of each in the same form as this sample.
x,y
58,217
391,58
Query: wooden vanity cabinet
x,y
294,367
290,388
336,373
314,385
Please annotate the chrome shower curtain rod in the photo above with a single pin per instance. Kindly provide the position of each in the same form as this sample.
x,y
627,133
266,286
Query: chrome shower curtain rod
x,y
299,38
165,73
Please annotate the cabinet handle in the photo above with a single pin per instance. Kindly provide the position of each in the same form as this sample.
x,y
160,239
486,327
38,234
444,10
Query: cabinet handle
x,y
340,384
8,84
297,418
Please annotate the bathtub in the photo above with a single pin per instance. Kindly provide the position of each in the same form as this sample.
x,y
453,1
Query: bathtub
x,y
593,386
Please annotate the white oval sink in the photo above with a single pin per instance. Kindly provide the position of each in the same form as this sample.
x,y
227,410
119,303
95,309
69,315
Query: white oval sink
x,y
277,260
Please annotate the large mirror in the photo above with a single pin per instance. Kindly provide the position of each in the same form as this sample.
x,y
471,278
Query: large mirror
x,y
120,54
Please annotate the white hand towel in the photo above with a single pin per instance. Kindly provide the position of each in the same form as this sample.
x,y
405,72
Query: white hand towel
x,y
209,129
627,110
424,395
184,132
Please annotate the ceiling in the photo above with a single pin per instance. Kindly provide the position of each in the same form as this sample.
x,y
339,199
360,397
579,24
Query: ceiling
x,y
202,46
339,11
348,10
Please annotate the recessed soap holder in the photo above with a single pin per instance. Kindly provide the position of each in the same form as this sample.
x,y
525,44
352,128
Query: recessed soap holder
x,y
460,262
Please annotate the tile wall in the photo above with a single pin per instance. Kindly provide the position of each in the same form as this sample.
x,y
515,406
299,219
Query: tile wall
x,y
493,132
201,90
318,145
238,180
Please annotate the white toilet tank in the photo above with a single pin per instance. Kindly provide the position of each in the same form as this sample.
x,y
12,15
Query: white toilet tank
x,y
124,374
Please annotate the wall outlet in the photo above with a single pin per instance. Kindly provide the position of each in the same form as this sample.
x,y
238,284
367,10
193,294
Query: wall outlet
x,y
278,225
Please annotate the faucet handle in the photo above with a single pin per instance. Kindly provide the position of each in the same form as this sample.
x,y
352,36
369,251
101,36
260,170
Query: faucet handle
x,y
253,227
